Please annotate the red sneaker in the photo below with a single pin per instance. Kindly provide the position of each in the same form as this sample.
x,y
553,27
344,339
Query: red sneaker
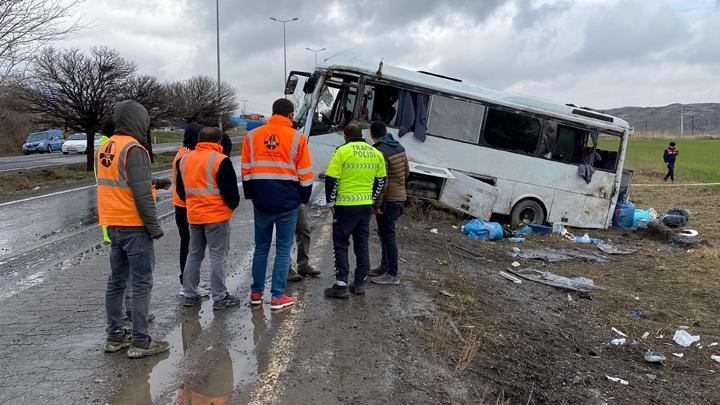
x,y
256,298
282,302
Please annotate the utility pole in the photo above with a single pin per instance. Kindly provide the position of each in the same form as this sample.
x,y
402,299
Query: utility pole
x,y
284,45
316,52
243,101
692,125
217,32
646,127
682,124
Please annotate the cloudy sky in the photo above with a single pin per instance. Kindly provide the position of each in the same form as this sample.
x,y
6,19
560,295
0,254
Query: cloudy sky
x,y
599,53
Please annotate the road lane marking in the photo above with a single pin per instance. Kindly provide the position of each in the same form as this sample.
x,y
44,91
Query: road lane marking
x,y
61,192
268,389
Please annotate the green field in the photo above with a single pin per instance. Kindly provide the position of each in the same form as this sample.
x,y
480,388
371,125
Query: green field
x,y
699,159
166,136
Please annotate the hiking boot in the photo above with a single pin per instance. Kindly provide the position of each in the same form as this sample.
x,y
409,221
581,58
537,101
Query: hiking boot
x,y
256,298
191,302
153,348
357,289
117,343
376,272
307,270
386,279
294,276
282,302
229,301
337,291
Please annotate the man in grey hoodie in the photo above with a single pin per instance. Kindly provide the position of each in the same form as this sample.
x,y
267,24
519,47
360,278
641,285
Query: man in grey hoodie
x,y
122,164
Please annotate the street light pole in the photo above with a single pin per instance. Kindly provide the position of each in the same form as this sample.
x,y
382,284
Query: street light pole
x,y
316,52
284,45
217,32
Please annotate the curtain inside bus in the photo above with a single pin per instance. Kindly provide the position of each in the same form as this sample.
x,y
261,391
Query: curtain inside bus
x,y
412,114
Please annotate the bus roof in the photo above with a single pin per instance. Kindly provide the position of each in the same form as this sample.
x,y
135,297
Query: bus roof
x,y
471,91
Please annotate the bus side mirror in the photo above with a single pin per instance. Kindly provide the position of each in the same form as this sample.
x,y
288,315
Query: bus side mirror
x,y
291,84
310,83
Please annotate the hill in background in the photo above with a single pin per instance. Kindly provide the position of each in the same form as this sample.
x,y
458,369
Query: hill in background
x,y
699,119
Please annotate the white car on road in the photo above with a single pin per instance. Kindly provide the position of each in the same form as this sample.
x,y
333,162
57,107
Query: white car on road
x,y
77,143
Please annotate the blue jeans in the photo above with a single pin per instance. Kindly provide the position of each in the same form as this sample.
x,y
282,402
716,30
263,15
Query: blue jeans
x,y
132,255
284,225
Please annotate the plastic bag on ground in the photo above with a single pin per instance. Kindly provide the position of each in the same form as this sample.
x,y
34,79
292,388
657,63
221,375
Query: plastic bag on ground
x,y
673,220
684,339
483,230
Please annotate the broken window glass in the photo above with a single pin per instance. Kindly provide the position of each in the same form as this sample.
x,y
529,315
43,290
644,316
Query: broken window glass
x,y
455,119
336,105
511,131
379,104
608,151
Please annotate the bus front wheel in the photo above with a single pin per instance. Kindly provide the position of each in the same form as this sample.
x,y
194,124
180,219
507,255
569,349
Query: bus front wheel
x,y
527,211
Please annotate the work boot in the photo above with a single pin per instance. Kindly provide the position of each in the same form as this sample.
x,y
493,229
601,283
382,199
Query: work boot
x,y
307,270
386,279
337,291
376,272
227,302
294,276
153,348
191,302
114,344
357,289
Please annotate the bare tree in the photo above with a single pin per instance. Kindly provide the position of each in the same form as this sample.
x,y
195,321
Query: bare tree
x,y
197,100
154,95
28,25
74,90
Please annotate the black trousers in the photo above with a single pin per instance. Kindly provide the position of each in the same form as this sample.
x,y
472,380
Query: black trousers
x,y
671,171
352,221
184,230
392,210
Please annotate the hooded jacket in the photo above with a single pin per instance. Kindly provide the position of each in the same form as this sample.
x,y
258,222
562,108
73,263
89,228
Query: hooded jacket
x,y
398,170
132,119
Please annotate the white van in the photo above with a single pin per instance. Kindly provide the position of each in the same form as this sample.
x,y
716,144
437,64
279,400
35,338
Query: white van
x,y
480,151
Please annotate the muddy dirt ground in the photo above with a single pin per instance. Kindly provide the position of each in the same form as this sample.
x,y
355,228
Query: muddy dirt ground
x,y
532,343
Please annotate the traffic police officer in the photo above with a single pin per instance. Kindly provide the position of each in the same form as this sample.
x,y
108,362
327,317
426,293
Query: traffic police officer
x,y
353,180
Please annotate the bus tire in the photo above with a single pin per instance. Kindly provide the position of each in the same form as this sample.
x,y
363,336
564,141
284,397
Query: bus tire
x,y
527,210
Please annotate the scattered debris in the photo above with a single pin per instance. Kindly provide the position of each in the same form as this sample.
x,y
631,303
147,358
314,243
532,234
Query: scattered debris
x,y
483,230
713,344
558,227
613,249
434,230
716,358
580,284
617,380
651,377
586,239
618,341
635,313
455,330
540,229
675,217
557,255
447,294
680,355
616,330
523,231
688,233
655,357
684,339
645,335
442,262
515,264
517,240
510,277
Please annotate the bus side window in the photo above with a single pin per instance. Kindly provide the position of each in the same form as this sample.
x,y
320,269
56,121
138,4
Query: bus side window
x,y
607,152
511,131
563,143
380,104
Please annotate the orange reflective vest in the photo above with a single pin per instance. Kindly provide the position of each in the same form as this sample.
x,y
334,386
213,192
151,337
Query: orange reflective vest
x,y
276,151
116,204
199,170
179,155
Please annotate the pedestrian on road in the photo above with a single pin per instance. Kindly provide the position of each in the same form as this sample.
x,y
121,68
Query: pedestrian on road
x,y
190,139
390,203
277,177
354,179
302,238
208,185
126,205
670,156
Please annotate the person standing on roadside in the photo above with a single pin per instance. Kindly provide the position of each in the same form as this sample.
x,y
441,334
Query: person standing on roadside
x,y
190,139
277,177
302,238
126,205
208,185
107,128
670,156
354,179
390,203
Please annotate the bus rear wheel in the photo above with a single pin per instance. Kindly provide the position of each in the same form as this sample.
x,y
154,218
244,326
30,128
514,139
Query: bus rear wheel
x,y
527,211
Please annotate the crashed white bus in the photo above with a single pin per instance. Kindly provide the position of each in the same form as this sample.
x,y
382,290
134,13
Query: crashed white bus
x,y
479,151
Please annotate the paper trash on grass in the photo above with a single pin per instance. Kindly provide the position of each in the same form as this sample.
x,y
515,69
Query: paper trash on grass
x,y
716,358
654,357
613,249
618,380
681,355
618,342
616,330
684,339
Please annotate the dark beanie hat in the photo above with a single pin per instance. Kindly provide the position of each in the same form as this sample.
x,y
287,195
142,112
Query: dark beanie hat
x,y
191,135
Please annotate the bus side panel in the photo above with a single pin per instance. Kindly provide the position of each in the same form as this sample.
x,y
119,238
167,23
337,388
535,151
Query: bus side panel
x,y
578,210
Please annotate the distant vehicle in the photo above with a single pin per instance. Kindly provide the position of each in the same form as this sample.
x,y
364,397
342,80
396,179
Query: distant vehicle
x,y
77,143
479,151
43,142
